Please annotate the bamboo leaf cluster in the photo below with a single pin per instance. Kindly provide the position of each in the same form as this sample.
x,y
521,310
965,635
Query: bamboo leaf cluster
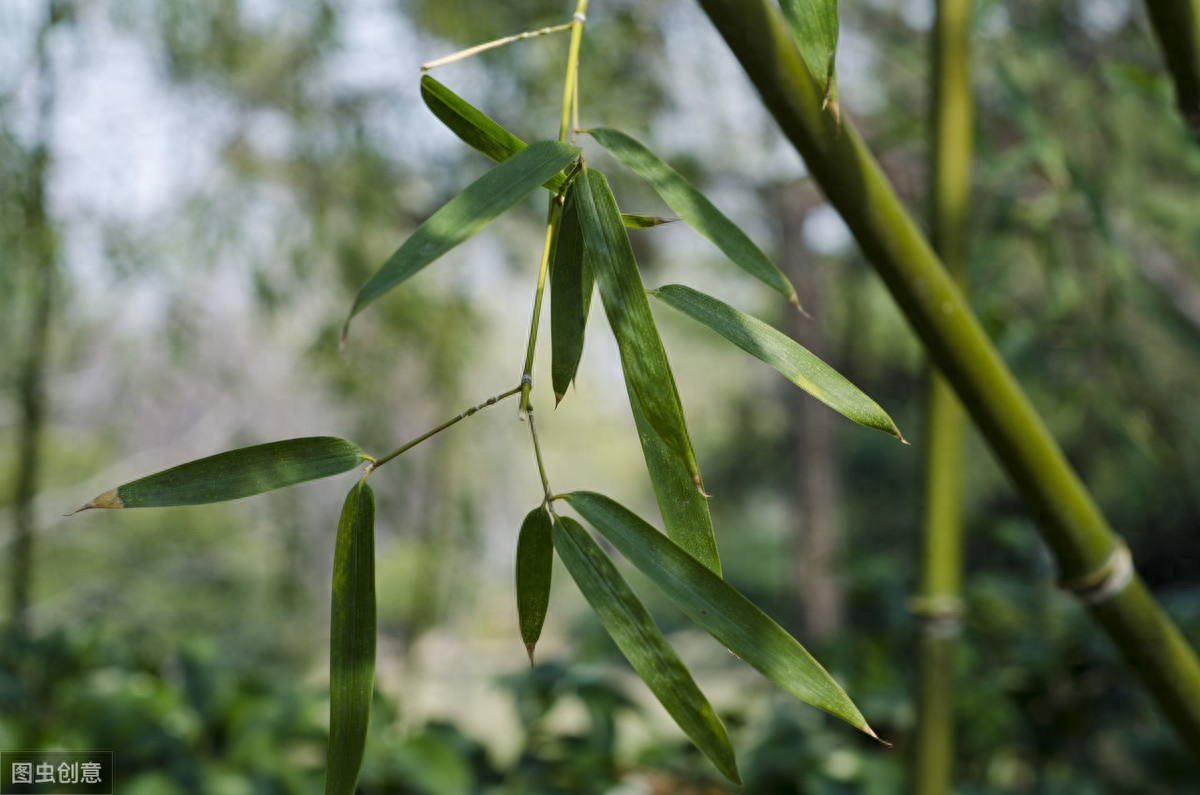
x,y
587,250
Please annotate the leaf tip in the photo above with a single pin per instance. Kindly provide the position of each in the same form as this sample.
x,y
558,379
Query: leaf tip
x,y
866,728
558,397
794,300
529,650
109,499
900,436
700,487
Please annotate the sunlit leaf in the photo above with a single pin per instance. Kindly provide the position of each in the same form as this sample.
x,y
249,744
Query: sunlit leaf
x,y
695,209
713,604
236,474
571,285
684,509
814,25
639,639
466,214
474,127
643,358
351,640
787,356
535,556
484,134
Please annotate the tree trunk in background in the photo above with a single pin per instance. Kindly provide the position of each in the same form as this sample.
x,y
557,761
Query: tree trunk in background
x,y
38,253
816,498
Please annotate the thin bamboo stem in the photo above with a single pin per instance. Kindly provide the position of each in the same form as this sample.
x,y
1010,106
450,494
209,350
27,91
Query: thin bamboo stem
x,y
939,596
491,45
378,462
1073,527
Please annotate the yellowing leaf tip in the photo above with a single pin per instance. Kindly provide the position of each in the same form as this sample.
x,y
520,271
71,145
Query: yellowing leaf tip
x,y
794,300
108,499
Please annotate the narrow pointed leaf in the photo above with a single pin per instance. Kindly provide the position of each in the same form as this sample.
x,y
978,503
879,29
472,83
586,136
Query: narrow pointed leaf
x,y
814,25
639,639
694,208
535,556
351,640
787,356
484,134
237,473
643,358
474,127
571,286
466,214
684,509
635,221
713,604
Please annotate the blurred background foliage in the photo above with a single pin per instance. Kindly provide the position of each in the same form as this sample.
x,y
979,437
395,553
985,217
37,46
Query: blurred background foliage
x,y
219,176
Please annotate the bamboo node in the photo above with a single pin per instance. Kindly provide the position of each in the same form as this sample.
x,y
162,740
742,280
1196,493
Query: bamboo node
x,y
938,615
1105,582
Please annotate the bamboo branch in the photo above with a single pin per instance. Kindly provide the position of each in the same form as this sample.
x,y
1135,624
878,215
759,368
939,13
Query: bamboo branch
x,y
1072,525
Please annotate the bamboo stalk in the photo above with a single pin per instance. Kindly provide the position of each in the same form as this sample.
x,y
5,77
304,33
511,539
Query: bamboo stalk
x,y
1177,25
1088,553
938,605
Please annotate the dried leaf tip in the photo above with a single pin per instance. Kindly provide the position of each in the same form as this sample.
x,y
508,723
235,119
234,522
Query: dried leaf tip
x,y
558,396
794,300
108,499
529,650
700,487
869,731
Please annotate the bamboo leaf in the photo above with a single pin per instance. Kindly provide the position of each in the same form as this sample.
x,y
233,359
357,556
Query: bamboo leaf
x,y
535,556
635,221
639,639
787,356
466,214
684,509
484,134
351,640
814,25
474,127
643,359
571,286
237,473
694,208
713,604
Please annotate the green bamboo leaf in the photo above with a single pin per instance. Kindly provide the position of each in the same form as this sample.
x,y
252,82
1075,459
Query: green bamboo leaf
x,y
635,221
236,474
814,25
695,209
643,358
535,556
466,214
713,604
474,127
484,134
351,640
787,356
683,508
639,639
571,284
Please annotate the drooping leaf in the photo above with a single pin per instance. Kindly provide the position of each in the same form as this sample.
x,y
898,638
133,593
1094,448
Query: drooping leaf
x,y
466,214
484,134
639,639
787,356
684,509
535,556
351,640
814,25
643,358
474,127
715,605
695,209
571,285
237,473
